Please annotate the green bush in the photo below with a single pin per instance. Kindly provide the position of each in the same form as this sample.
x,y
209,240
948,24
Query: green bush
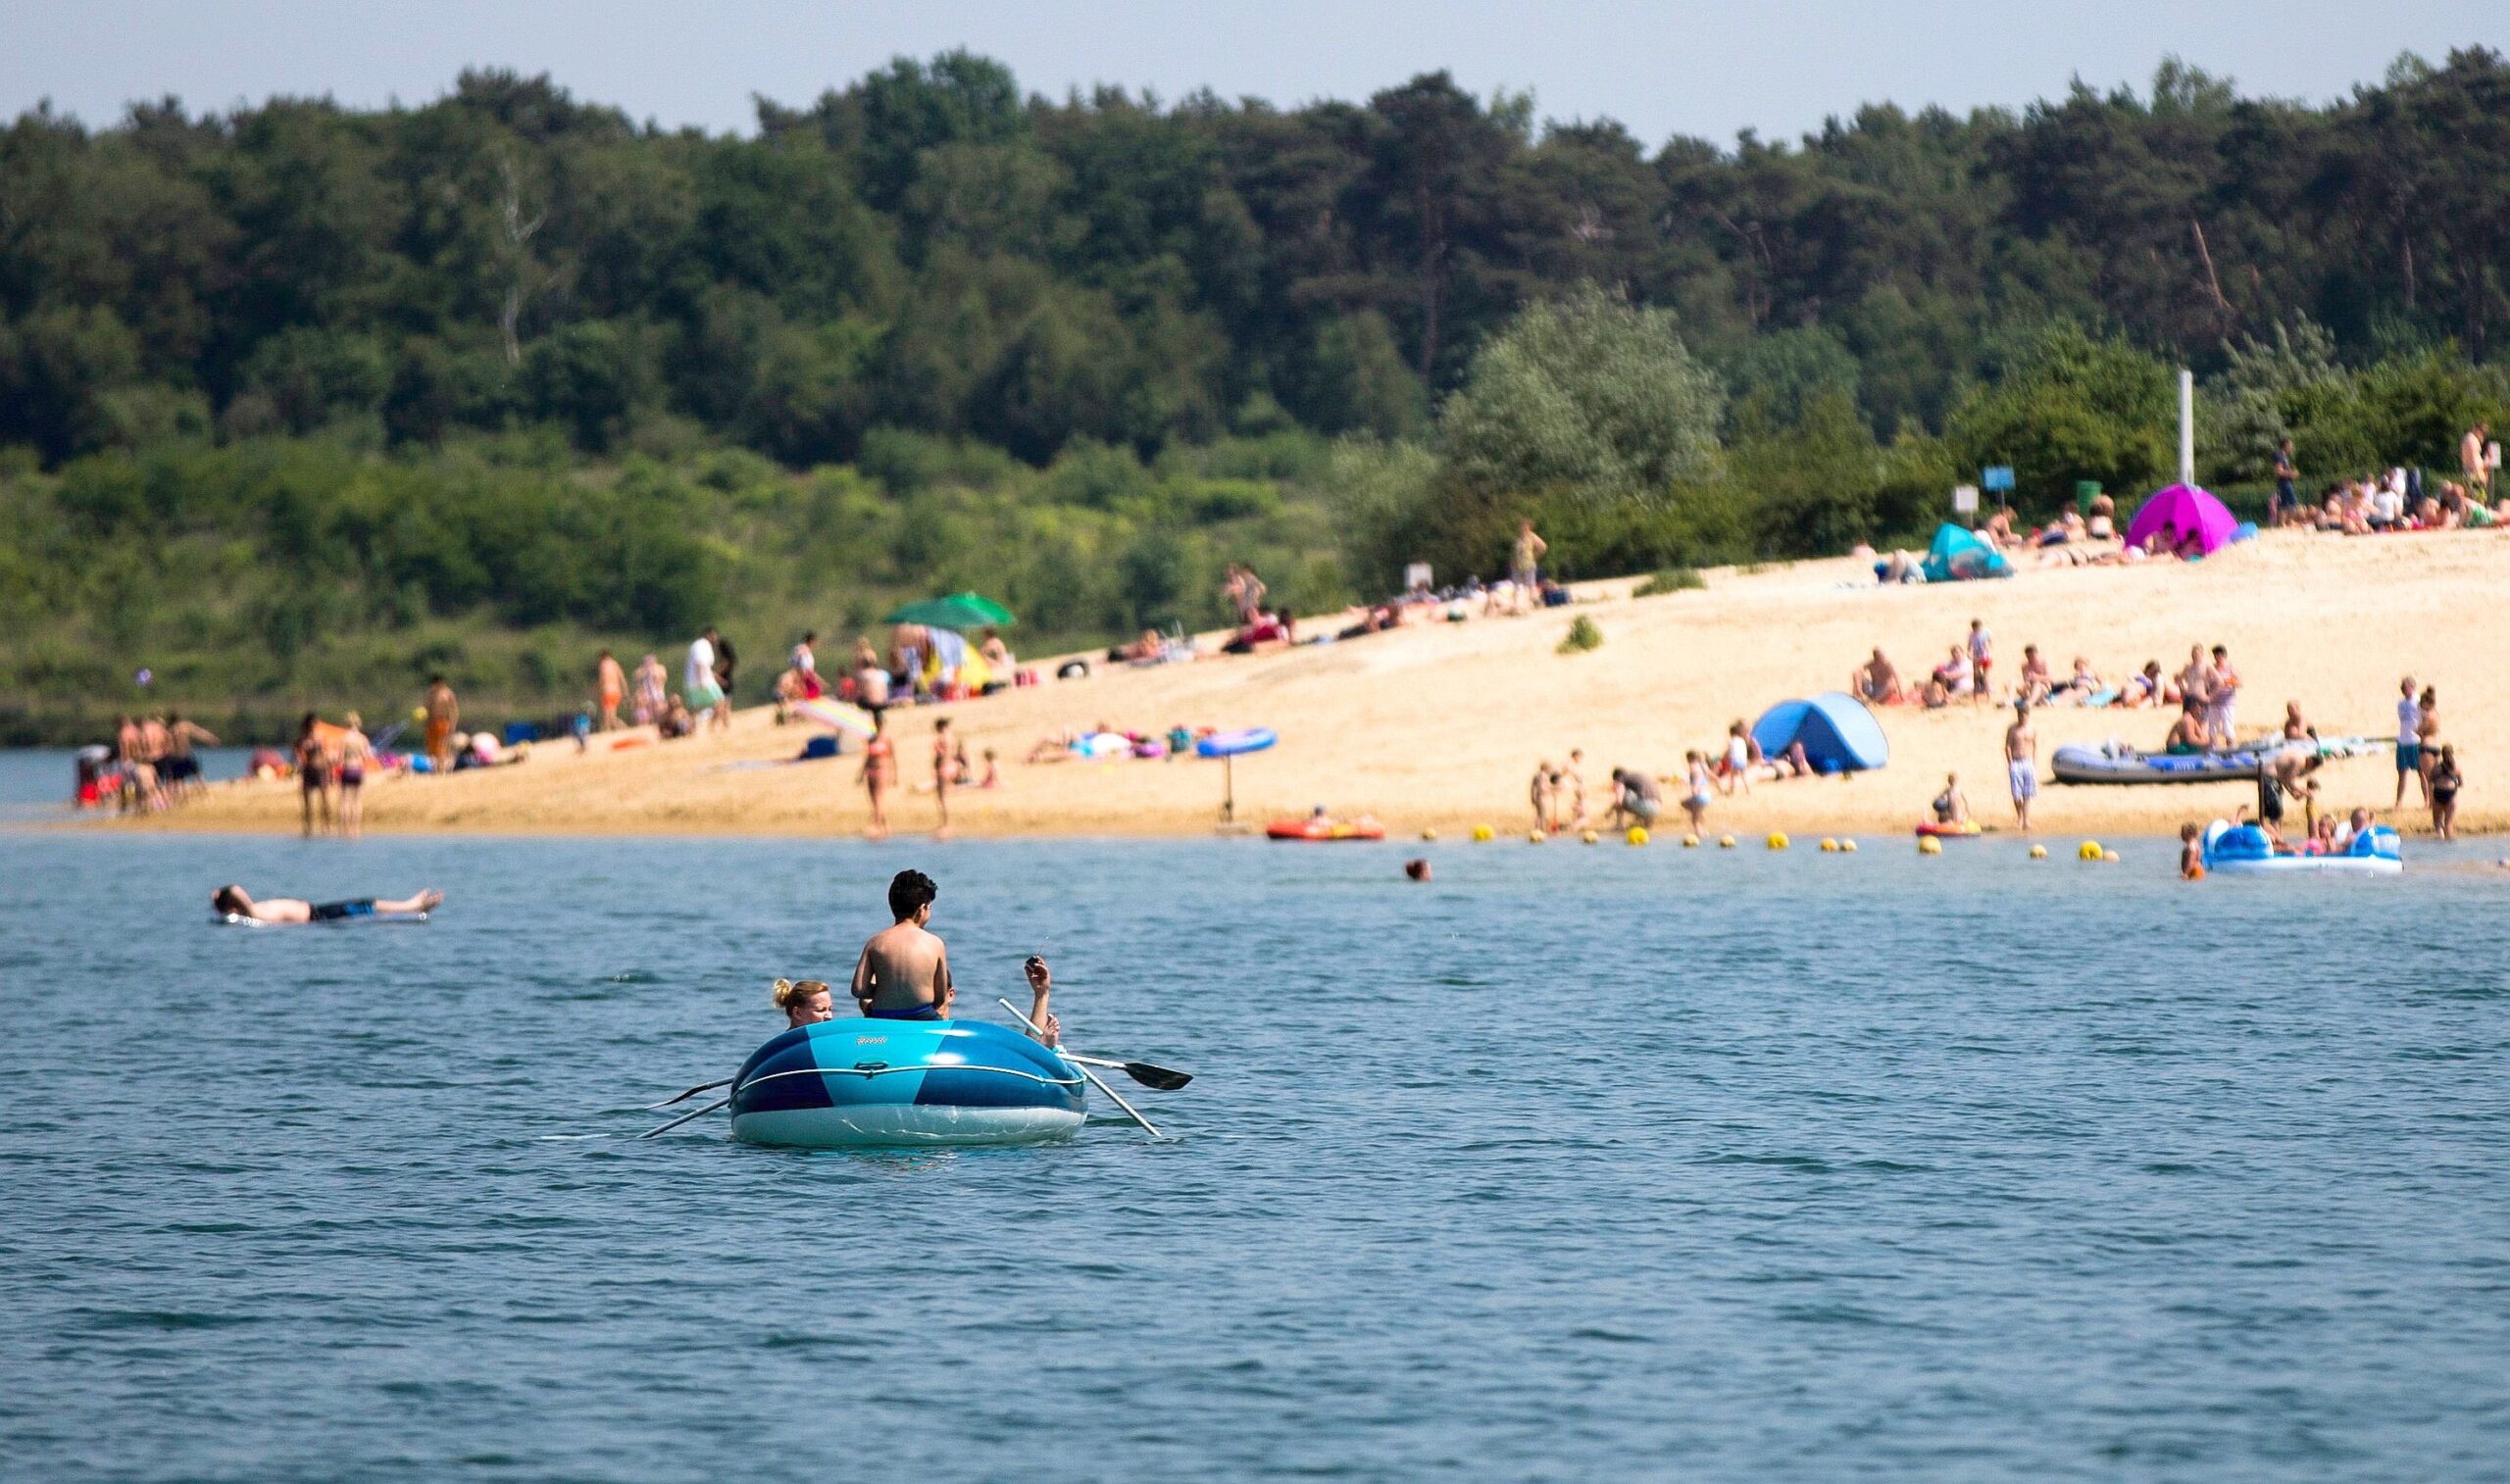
x,y
1583,636
1672,579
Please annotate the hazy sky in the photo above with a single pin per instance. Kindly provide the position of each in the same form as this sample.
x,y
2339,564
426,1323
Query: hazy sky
x,y
1664,68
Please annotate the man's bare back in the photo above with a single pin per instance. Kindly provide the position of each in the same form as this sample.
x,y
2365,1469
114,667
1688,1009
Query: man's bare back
x,y
904,971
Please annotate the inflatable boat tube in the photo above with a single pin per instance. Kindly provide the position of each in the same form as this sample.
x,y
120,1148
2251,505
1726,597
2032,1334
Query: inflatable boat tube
x,y
1229,744
857,1083
1961,831
2115,762
2242,849
1324,829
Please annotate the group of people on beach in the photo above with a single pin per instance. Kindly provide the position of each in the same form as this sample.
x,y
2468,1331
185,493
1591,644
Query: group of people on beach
x,y
150,766
2399,498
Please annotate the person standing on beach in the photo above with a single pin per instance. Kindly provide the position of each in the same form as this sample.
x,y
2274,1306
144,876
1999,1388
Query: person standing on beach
x,y
2022,764
2472,460
2409,742
181,770
1982,658
724,661
697,683
806,665
443,711
1697,786
2191,680
942,769
2222,694
2427,735
2443,783
313,774
356,752
1545,801
1525,565
653,685
879,755
2288,495
611,682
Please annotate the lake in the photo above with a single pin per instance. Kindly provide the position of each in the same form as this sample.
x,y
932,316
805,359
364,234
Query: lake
x,y
1577,1163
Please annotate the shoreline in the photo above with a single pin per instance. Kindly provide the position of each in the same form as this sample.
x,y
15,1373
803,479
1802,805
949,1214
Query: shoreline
x,y
1439,726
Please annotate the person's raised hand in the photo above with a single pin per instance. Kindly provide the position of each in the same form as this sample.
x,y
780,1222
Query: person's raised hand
x,y
1040,977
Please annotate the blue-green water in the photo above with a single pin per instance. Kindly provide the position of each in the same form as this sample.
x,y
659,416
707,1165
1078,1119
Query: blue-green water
x,y
1575,1163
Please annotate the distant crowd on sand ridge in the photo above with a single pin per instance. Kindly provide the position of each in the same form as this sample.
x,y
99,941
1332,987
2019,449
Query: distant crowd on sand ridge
x,y
2400,498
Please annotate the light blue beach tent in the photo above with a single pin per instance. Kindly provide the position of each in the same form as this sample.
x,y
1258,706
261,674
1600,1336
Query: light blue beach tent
x,y
1958,555
1839,735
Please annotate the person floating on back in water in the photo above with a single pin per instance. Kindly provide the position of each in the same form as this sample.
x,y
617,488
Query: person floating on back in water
x,y
234,900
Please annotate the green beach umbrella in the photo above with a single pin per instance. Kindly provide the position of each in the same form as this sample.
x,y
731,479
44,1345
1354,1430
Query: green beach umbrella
x,y
959,610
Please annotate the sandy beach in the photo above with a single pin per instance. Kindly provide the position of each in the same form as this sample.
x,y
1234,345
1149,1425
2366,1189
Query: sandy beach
x,y
1438,726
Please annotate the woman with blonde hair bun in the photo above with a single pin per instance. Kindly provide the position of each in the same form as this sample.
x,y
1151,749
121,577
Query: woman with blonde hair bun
x,y
805,1002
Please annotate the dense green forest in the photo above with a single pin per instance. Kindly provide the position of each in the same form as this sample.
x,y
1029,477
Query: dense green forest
x,y
301,402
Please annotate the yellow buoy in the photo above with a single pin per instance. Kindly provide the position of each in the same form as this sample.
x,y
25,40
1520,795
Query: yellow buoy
x,y
1429,835
1828,845
1929,845
1638,835
1590,837
1691,841
1482,831
2089,850
418,712
1847,847
1776,841
2038,853
1533,837
1724,842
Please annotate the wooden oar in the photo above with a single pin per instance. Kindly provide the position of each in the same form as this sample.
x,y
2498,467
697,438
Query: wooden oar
x,y
692,1092
1096,1080
684,1119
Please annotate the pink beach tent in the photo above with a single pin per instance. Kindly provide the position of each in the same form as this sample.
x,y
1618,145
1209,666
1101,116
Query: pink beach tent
x,y
2181,512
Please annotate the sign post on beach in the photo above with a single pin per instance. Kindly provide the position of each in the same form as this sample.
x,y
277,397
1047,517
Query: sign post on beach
x,y
1965,499
2186,426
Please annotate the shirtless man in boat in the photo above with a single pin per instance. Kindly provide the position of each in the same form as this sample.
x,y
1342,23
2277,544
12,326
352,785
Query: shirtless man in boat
x,y
904,971
234,900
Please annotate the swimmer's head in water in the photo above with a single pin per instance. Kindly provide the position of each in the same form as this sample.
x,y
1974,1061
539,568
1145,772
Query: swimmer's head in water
x,y
228,899
910,892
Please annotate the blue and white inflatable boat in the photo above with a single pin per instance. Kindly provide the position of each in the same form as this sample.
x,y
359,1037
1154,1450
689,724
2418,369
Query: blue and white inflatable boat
x,y
2244,850
849,1083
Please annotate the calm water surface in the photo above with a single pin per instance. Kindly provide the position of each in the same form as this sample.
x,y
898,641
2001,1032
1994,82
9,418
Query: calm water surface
x,y
1577,1163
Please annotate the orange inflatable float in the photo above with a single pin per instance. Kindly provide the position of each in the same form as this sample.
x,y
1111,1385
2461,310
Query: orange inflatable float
x,y
1322,829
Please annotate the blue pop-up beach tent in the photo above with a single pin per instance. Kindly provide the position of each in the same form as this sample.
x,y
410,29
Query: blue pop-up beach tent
x,y
1839,735
1958,556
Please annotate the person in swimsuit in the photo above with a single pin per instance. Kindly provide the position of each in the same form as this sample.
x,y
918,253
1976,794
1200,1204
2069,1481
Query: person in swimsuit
x,y
878,761
1950,807
2427,736
1525,565
2221,695
1544,798
1696,787
442,713
1877,682
942,775
313,774
903,972
612,682
2188,733
2191,680
356,752
235,902
1736,767
805,1002
1983,657
1636,799
2445,780
2191,852
180,769
2022,764
653,684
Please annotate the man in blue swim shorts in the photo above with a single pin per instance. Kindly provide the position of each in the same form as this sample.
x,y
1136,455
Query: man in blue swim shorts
x,y
235,902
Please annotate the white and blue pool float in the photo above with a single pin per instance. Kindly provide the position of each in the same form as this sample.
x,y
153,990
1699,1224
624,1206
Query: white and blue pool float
x,y
1234,744
853,1083
2244,850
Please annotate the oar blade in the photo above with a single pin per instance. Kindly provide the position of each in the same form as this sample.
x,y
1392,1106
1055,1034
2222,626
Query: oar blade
x,y
1157,1078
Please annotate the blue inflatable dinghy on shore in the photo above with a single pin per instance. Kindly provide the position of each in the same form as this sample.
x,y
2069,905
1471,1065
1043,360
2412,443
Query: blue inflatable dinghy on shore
x,y
851,1083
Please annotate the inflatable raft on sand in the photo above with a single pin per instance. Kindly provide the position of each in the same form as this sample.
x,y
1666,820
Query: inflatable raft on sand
x,y
2116,763
2244,850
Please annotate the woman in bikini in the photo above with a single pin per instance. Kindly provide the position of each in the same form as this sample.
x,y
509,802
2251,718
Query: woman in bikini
x,y
879,757
356,752
312,773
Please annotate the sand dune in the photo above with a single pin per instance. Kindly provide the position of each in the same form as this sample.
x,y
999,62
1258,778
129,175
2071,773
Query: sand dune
x,y
1440,726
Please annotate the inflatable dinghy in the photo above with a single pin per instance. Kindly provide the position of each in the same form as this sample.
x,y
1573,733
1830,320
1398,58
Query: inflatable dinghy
x,y
853,1083
2244,850
2116,763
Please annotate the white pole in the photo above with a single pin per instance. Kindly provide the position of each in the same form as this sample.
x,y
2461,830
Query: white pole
x,y
2186,426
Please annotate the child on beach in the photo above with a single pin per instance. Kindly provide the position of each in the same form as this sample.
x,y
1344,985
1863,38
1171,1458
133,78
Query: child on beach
x,y
1696,789
2191,852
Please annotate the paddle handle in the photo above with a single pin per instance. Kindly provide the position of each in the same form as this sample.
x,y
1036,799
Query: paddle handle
x,y
1096,1080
